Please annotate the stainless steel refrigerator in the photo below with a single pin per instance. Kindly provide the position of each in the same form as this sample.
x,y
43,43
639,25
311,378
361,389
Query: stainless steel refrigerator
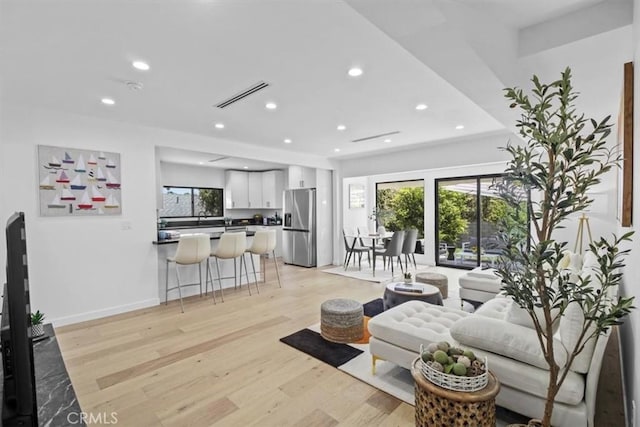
x,y
299,227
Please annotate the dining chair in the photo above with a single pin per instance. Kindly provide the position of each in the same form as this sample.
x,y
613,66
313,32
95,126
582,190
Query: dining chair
x,y
393,249
353,248
192,249
409,247
264,243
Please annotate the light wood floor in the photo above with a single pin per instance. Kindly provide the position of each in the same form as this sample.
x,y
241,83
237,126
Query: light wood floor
x,y
223,364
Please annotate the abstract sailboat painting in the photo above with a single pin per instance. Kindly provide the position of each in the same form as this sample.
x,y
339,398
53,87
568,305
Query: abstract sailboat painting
x,y
97,195
56,203
62,177
112,202
85,203
45,184
111,181
67,158
78,182
80,167
67,195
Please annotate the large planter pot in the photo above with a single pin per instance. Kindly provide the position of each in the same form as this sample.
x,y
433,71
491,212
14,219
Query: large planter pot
x,y
451,253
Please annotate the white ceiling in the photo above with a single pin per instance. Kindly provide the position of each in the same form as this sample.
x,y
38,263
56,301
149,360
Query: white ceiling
x,y
68,54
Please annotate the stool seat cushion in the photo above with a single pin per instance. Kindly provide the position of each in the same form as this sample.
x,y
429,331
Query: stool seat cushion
x,y
413,323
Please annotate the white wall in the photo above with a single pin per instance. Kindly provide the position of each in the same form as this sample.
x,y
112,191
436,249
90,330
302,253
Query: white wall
x,y
83,267
176,175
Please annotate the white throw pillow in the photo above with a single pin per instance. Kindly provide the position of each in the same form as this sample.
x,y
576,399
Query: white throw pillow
x,y
520,316
571,325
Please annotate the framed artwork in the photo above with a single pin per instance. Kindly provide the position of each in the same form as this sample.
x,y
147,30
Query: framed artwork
x,y
76,182
625,145
356,196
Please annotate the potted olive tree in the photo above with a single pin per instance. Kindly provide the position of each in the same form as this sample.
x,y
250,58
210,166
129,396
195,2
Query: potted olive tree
x,y
563,156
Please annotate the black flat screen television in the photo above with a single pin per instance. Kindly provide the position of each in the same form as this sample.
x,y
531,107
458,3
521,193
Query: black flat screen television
x,y
19,407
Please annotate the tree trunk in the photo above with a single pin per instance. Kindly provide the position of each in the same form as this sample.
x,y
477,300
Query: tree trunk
x,y
552,391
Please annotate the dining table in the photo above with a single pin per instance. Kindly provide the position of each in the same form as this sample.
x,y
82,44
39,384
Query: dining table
x,y
374,238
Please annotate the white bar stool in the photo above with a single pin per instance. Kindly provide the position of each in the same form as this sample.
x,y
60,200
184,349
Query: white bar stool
x,y
231,246
192,249
264,242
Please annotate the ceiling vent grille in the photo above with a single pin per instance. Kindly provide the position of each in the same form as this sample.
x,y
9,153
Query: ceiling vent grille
x,y
217,159
237,97
376,136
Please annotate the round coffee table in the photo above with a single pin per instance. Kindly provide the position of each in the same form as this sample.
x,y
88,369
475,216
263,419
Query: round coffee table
x,y
394,296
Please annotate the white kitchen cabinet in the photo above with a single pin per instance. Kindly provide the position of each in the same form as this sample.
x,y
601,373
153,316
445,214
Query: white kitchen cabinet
x,y
272,187
236,189
302,177
255,190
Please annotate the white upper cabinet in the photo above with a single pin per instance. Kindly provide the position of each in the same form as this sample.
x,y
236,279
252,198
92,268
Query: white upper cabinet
x,y
255,190
236,189
272,187
302,177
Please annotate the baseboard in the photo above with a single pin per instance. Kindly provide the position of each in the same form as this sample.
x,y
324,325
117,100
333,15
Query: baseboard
x,y
97,314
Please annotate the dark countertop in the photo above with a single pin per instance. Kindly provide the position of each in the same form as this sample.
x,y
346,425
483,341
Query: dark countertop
x,y
209,223
214,236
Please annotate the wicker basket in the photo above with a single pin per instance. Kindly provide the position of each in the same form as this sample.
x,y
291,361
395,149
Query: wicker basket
x,y
455,382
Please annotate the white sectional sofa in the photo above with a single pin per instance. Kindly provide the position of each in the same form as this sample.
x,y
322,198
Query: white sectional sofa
x,y
502,332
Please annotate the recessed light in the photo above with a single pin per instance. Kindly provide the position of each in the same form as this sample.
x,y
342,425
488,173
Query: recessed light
x,y
355,72
337,150
421,107
140,65
108,101
387,140
245,167
219,125
341,127
287,141
201,163
459,127
271,106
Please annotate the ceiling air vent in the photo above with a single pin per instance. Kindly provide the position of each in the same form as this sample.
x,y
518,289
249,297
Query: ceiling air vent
x,y
376,136
237,97
217,159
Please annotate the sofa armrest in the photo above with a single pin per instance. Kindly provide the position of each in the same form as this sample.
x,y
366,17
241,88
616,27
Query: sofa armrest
x,y
504,338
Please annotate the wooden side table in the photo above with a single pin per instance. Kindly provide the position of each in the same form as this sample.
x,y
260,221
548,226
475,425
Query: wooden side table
x,y
437,406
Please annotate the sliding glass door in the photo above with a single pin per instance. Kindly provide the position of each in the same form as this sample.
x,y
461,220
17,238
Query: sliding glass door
x,y
468,213
400,206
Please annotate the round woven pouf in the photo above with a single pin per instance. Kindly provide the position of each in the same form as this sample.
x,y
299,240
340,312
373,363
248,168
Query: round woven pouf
x,y
341,320
438,280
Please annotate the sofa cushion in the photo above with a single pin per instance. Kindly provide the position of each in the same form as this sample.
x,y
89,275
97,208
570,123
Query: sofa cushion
x,y
413,323
480,273
508,339
531,379
496,308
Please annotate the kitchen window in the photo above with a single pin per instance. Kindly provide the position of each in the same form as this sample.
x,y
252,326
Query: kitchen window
x,y
191,202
